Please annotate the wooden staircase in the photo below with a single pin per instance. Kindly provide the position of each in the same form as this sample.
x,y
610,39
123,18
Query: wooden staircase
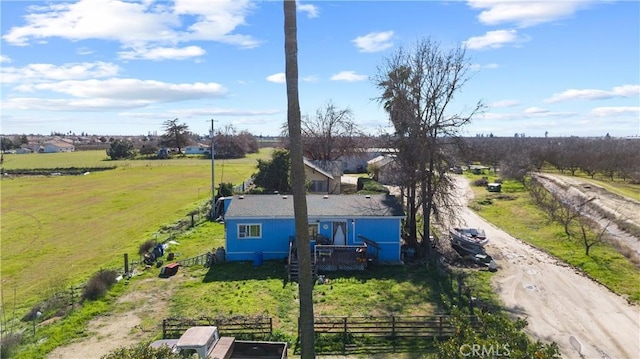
x,y
294,267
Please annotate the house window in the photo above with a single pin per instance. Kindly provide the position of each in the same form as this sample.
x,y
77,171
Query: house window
x,y
249,231
319,186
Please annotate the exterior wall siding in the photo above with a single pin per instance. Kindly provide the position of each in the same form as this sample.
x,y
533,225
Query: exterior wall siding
x,y
385,232
274,243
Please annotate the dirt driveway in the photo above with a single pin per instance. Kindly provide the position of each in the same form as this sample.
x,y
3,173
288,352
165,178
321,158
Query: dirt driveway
x,y
584,318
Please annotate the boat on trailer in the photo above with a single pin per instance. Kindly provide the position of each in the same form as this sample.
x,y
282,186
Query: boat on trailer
x,y
472,239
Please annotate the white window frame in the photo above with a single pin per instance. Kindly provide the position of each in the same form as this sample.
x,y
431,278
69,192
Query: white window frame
x,y
247,230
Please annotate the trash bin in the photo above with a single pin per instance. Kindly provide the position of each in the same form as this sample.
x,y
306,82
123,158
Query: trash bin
x,y
258,259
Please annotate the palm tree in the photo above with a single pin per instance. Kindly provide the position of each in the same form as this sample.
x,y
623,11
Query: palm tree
x,y
305,280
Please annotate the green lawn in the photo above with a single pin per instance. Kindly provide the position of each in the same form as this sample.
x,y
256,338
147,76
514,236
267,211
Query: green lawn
x,y
58,230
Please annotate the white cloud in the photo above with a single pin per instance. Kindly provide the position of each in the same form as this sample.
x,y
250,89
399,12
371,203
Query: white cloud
x,y
593,94
529,113
525,13
535,110
349,76
199,112
504,103
131,89
4,58
310,78
84,51
50,72
99,95
374,42
45,104
311,10
278,78
162,53
135,24
216,20
494,39
127,22
480,67
615,111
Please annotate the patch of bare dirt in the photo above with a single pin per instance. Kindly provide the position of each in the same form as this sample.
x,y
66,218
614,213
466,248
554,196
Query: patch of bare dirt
x,y
138,317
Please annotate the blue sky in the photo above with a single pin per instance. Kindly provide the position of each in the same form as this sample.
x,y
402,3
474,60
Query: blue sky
x,y
113,67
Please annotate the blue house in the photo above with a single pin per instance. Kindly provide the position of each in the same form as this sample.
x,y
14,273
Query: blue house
x,y
265,224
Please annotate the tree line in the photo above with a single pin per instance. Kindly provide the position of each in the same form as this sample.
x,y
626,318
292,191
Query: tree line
x,y
228,143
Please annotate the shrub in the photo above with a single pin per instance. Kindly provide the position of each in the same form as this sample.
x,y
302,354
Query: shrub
x,y
146,246
142,351
368,185
99,284
256,190
120,149
481,182
8,342
32,314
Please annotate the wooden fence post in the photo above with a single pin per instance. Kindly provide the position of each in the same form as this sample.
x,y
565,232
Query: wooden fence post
x,y
126,264
344,336
393,332
164,329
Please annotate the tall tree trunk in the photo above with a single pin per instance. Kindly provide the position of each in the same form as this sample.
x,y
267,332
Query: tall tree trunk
x,y
305,279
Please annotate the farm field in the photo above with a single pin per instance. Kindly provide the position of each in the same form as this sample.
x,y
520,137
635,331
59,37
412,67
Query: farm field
x,y
56,231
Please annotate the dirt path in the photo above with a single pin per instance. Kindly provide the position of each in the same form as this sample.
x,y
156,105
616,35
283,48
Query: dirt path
x,y
146,302
559,303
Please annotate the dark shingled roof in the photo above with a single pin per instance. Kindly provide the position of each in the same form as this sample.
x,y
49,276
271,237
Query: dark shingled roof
x,y
281,206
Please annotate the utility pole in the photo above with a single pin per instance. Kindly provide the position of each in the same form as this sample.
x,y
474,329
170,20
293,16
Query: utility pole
x,y
213,173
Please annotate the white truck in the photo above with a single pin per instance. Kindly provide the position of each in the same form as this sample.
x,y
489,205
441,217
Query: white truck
x,y
206,343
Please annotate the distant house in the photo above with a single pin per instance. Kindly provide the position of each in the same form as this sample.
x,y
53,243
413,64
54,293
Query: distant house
x,y
265,224
324,176
23,150
57,146
321,180
357,162
197,149
384,169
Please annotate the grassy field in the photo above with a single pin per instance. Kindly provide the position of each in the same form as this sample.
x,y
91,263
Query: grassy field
x,y
58,230
604,264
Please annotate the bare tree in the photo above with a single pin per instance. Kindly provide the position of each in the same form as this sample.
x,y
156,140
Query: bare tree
x,y
305,279
549,204
329,135
591,233
417,87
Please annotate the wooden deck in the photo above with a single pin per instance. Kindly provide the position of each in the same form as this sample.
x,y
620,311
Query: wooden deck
x,y
329,258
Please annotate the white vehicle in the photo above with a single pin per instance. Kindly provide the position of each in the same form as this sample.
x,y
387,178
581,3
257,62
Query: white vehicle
x,y
205,342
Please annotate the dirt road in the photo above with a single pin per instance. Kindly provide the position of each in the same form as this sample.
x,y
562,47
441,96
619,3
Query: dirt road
x,y
561,305
579,190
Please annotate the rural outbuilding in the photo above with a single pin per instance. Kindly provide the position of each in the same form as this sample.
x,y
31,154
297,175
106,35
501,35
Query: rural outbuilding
x,y
264,224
